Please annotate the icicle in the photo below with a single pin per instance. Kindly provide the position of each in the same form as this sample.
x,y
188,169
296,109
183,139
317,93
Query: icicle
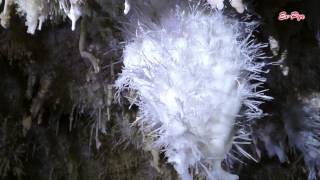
x,y
41,20
74,13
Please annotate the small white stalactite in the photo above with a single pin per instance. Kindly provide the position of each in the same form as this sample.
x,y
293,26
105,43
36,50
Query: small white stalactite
x,y
74,13
274,45
127,7
41,21
285,69
238,5
35,13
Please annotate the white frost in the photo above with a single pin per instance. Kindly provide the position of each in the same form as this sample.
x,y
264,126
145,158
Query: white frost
x,y
192,73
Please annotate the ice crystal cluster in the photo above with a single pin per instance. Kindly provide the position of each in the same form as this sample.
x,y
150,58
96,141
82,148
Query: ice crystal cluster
x,y
195,74
37,11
